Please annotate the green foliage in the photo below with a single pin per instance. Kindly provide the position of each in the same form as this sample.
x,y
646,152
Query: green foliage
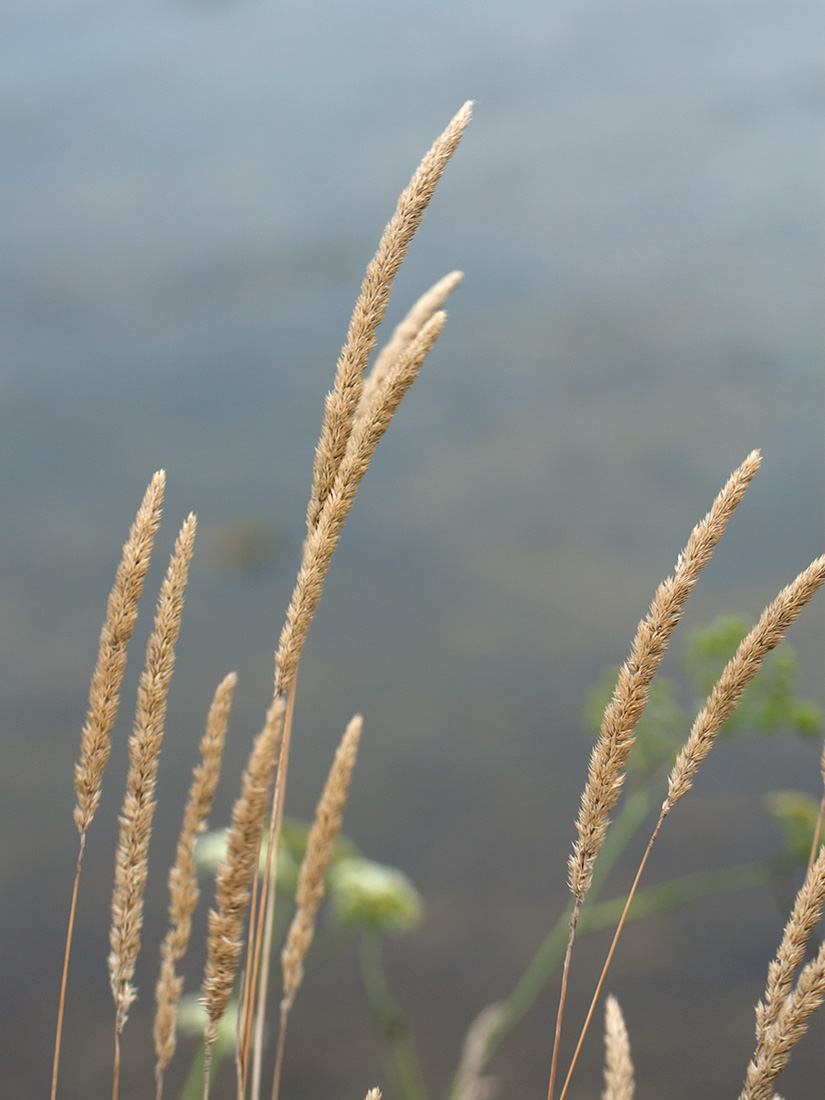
x,y
797,814
373,897
770,704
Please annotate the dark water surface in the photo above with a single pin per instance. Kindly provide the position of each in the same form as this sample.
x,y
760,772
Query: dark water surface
x,y
189,195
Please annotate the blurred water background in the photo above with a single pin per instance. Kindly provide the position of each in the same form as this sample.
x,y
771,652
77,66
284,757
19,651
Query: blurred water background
x,y
190,191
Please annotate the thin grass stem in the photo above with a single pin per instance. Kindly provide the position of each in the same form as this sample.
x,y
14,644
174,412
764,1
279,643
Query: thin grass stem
x,y
609,958
266,908
64,978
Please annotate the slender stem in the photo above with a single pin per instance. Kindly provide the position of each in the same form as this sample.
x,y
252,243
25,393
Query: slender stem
x,y
244,1022
258,967
116,1071
207,1065
279,1057
571,939
609,958
64,979
538,970
278,816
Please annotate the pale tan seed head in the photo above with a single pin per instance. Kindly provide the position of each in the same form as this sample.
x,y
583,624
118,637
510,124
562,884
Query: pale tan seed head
x,y
121,616
404,333
234,877
183,879
342,402
609,757
619,1081
781,1017
790,1025
321,542
131,861
738,673
318,859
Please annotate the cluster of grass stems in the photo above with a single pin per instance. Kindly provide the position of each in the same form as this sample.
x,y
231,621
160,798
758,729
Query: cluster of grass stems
x,y
240,930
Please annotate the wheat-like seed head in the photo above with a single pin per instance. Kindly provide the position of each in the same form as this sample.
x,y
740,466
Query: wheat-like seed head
x,y
342,402
606,770
144,750
738,673
619,1082
121,616
781,1018
317,859
183,879
234,878
321,542
805,915
404,333
790,1025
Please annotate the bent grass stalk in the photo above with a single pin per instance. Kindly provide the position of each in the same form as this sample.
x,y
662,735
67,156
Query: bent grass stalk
x,y
820,817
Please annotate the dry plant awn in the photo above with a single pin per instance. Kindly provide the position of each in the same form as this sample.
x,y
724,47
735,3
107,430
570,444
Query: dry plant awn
x,y
241,921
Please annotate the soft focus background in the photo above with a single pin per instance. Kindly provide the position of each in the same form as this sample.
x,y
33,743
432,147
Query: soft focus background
x,y
190,192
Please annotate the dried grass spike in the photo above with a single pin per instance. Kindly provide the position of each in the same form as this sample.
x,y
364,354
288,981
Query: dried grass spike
x,y
405,332
131,860
234,878
121,616
342,402
619,1083
320,545
738,673
791,1024
606,772
805,915
183,880
318,858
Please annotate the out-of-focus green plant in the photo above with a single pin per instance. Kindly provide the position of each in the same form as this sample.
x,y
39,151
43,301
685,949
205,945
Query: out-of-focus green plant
x,y
770,705
373,897
797,815
375,900
364,897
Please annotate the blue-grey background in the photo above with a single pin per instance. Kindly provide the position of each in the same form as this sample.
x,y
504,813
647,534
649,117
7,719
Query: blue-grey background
x,y
190,191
